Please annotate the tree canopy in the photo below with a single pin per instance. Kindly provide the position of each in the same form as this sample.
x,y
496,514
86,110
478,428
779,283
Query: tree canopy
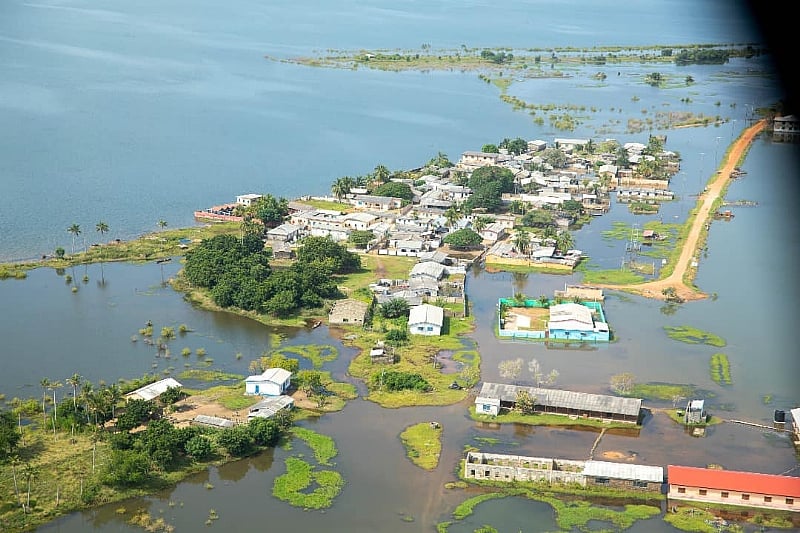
x,y
488,185
463,239
270,210
394,189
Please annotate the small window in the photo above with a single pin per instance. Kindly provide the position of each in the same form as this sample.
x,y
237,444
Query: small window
x,y
640,484
472,473
789,501
745,497
723,494
703,492
767,499
601,480
681,490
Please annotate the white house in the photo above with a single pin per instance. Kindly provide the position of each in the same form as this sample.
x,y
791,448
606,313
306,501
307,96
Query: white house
x,y
273,382
487,406
426,319
493,232
571,316
247,199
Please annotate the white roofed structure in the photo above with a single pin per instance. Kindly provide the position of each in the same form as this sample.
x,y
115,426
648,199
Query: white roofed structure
x,y
154,390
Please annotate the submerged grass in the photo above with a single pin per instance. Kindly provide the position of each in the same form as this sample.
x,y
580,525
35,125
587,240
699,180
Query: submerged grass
x,y
720,369
318,354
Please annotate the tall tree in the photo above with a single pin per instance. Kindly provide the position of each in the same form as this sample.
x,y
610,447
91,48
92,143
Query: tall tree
x,y
74,381
75,230
522,241
452,216
381,174
45,384
564,241
102,228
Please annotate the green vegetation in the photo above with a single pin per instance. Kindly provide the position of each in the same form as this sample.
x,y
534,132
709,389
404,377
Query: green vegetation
x,y
393,381
209,375
318,354
323,446
423,443
292,487
720,369
693,335
541,419
661,391
467,507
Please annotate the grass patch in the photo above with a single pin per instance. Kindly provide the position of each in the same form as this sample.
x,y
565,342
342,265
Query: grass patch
x,y
467,507
572,514
423,443
720,369
693,335
323,446
209,375
611,277
416,356
328,204
539,419
292,486
374,267
661,391
318,354
229,396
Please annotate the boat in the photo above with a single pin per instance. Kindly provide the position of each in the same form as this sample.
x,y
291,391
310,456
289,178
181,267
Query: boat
x,y
317,324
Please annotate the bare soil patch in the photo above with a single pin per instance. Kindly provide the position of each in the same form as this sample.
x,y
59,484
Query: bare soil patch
x,y
537,315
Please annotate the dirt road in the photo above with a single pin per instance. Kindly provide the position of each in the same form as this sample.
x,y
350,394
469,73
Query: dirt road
x,y
652,289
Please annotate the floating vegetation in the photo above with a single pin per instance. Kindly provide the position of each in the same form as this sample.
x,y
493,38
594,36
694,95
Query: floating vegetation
x,y
318,354
423,443
292,486
720,369
456,485
208,485
494,441
323,446
693,335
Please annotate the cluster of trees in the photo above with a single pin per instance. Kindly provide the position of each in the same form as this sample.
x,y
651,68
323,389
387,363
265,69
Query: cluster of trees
x,y
514,146
496,57
488,185
379,181
702,56
395,380
268,209
162,447
237,273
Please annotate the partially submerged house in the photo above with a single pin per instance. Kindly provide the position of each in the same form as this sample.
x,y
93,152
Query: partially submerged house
x,y
272,382
730,487
695,412
577,321
510,468
561,402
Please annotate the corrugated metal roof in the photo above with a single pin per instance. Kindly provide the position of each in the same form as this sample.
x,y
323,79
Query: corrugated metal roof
x,y
654,474
154,390
426,314
214,421
600,403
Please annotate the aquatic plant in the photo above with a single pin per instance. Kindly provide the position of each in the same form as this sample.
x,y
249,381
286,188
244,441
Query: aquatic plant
x,y
694,335
292,486
720,369
423,443
323,446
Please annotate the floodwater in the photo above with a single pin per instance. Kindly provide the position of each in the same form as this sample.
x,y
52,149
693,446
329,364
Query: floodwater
x,y
136,112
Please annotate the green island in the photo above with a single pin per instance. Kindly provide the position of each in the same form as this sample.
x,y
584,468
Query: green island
x,y
293,486
423,443
693,335
720,369
501,67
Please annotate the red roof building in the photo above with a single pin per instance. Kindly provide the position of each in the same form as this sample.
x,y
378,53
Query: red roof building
x,y
729,487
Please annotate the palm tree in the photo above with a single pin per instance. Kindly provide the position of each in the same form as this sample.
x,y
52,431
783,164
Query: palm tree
x,y
74,381
341,187
55,385
564,241
162,223
452,216
113,394
517,207
544,301
381,174
45,384
480,223
75,229
522,241
102,227
29,472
